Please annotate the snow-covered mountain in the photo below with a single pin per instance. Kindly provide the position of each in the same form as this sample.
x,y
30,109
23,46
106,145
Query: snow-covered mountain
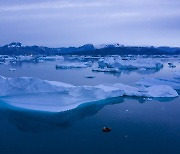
x,y
102,46
14,45
16,48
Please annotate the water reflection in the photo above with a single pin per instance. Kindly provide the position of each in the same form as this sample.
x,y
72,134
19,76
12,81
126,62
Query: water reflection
x,y
138,71
31,121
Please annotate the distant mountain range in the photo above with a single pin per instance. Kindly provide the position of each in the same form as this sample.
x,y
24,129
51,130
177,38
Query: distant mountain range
x,y
16,48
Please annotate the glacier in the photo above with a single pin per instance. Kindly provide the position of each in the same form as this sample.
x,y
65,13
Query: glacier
x,y
53,96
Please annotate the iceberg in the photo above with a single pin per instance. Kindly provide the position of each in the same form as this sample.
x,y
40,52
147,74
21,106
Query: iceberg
x,y
27,85
51,58
105,69
174,82
53,96
171,65
159,91
118,63
12,69
24,58
72,65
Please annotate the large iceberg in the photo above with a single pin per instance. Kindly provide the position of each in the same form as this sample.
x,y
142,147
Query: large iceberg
x,y
37,94
116,63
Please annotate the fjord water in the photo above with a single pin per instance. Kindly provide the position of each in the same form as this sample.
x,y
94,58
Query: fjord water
x,y
138,125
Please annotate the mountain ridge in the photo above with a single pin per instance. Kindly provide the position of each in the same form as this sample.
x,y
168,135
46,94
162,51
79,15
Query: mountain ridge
x,y
16,48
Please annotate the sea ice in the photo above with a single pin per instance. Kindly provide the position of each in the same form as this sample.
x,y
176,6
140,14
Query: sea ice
x,y
117,63
174,83
37,94
51,58
72,65
12,69
105,69
24,58
176,75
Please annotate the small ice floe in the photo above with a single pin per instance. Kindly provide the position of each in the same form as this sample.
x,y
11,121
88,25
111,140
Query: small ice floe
x,y
24,58
142,69
51,58
171,65
105,69
2,63
71,65
12,69
148,99
126,110
89,76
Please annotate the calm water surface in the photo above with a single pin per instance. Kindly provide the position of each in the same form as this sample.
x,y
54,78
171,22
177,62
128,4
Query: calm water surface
x,y
138,125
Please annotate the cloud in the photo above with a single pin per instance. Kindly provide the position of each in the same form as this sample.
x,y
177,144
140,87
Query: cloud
x,y
54,5
80,21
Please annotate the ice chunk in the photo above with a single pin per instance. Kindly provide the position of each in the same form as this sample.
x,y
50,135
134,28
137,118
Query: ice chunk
x,y
72,65
24,58
171,65
153,91
159,81
117,62
176,75
27,85
51,58
161,91
12,69
105,69
60,84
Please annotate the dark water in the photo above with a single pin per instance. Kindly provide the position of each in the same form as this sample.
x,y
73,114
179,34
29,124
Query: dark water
x,y
139,126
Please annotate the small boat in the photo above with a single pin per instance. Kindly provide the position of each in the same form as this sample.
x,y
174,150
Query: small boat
x,y
106,129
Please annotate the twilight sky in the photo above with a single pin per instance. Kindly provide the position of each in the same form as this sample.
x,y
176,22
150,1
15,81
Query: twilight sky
x,y
58,23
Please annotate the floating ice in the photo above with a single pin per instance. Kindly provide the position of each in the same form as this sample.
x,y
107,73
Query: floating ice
x,y
37,94
174,83
27,85
24,58
12,69
51,58
115,63
176,75
105,69
171,65
71,65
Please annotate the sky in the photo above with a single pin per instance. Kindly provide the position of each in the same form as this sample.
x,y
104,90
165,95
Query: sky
x,y
57,23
